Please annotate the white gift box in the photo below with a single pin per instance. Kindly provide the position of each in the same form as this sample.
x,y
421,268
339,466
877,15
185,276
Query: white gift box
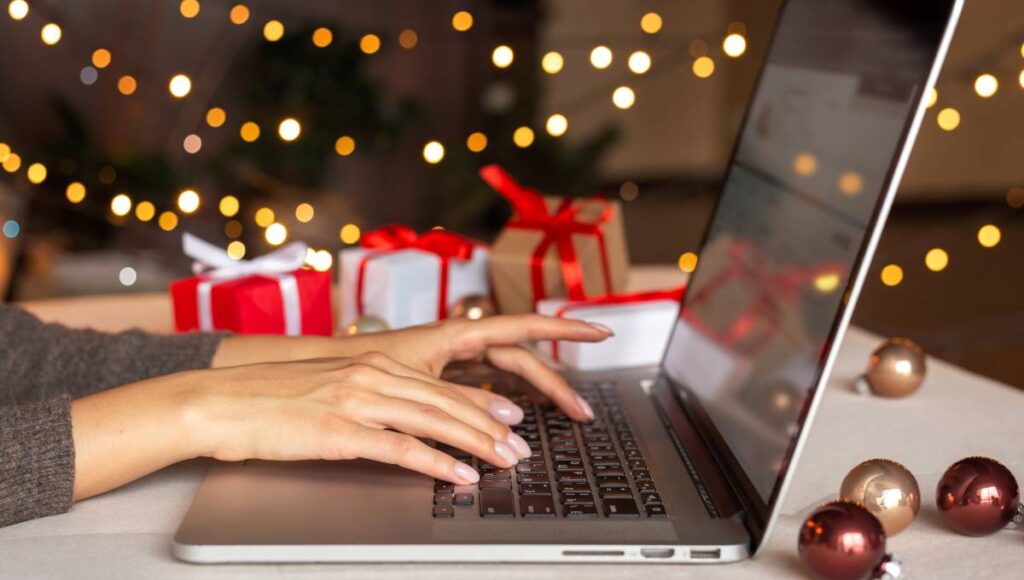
x,y
641,332
403,287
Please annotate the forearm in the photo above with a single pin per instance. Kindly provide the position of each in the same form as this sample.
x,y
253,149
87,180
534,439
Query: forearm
x,y
243,350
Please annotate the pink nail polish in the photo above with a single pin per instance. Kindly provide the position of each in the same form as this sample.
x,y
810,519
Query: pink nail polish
x,y
465,473
520,445
585,406
506,452
602,328
506,411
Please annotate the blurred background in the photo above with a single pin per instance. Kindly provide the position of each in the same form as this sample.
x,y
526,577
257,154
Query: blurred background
x,y
124,123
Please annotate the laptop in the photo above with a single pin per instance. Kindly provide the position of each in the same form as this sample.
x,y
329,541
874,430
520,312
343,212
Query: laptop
x,y
689,461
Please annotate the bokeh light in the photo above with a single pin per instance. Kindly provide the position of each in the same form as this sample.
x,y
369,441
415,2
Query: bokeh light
x,y
128,276
651,23
734,45
552,62
433,152
51,34
892,275
703,67
639,62
101,58
236,250
189,8
989,235
688,262
557,125
601,57
623,97
276,234
239,14
273,30
126,85
121,204
216,117
523,137
145,211
18,9
349,234
369,43
168,221
188,201
75,192
344,146
322,37
502,56
948,119
304,212
180,86
408,39
264,217
462,21
289,130
229,206
36,173
249,131
192,144
936,259
476,142
986,85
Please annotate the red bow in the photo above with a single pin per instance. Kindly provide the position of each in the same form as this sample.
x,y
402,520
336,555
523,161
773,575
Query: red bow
x,y
558,229
444,244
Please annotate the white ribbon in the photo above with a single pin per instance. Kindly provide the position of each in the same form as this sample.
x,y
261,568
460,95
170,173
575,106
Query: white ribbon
x,y
216,266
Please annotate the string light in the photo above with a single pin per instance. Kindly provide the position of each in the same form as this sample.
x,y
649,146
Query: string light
x,y
936,259
476,142
51,34
188,201
989,236
180,86
639,62
322,37
5,151
239,14
229,206
892,275
126,85
273,30
249,131
145,211
629,191
216,117
192,144
11,229
433,152
264,217
688,262
127,276
805,164
120,205
101,58
623,97
289,130
462,21
850,183
523,137
557,125
986,85
276,234
36,173
827,282
601,57
75,192
233,229
933,97
168,221
88,76
344,146
1015,197
703,67
502,56
189,8
369,43
322,261
236,250
12,163
349,233
18,9
1020,79
734,45
552,62
948,119
651,23
408,39
304,212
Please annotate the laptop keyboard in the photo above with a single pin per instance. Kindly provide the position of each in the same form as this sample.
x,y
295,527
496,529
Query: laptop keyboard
x,y
577,470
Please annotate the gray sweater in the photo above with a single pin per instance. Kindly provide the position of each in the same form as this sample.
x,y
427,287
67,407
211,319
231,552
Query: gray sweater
x,y
44,366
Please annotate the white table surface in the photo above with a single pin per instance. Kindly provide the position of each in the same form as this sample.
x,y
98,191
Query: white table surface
x,y
127,533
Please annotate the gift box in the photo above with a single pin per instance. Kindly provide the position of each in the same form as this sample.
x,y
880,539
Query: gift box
x,y
555,247
272,294
642,323
406,279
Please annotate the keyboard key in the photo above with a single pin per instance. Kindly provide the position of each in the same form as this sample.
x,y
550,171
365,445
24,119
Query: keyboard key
x,y
621,508
650,498
530,468
567,456
444,487
537,506
444,511
442,498
637,464
655,510
571,476
496,484
535,489
606,462
615,492
646,487
533,478
612,481
608,453
641,475
497,503
463,499
573,465
615,470
496,474
580,511
634,454
578,497
569,486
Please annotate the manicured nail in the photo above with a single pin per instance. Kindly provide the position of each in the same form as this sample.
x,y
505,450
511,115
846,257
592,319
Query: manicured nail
x,y
602,328
520,445
506,452
507,412
465,473
585,406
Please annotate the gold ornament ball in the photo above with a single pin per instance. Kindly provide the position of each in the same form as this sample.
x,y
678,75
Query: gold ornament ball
x,y
366,325
896,368
473,307
887,489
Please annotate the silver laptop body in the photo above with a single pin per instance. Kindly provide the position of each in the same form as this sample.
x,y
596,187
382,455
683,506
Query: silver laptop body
x,y
719,425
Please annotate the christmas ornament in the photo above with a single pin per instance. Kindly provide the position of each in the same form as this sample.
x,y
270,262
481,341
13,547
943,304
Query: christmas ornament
x,y
977,496
896,369
887,489
473,307
843,541
366,325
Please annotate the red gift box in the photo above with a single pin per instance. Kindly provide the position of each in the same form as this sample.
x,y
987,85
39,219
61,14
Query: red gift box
x,y
262,296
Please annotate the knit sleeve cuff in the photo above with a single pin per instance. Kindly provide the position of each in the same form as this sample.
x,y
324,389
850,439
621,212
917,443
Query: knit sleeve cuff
x,y
135,355
37,460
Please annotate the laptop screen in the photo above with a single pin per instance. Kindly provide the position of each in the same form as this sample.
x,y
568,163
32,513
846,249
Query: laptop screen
x,y
814,159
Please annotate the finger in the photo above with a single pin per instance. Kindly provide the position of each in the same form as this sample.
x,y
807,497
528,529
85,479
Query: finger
x,y
406,451
522,362
470,338
501,408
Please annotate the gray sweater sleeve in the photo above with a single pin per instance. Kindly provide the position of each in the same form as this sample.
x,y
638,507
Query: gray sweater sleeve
x,y
44,366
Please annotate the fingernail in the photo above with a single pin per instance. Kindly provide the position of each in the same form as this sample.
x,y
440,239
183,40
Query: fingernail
x,y
506,452
520,445
465,473
585,406
602,328
507,412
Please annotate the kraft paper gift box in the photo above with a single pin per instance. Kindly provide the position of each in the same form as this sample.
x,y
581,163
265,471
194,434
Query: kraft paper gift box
x,y
407,279
272,294
641,322
555,247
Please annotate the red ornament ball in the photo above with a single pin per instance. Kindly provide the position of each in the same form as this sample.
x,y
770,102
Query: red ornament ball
x,y
842,541
977,496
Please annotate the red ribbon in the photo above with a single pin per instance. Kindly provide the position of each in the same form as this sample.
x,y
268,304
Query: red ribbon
x,y
445,245
558,229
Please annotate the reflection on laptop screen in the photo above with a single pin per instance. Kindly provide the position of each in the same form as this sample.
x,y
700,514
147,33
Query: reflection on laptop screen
x,y
814,157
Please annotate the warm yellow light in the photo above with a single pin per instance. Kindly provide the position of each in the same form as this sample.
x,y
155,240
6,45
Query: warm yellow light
x,y
51,34
989,236
986,85
18,9
345,145
264,217
250,132
36,173
557,125
1015,197
476,142
369,43
936,259
289,129
552,62
703,67
216,117
523,137
189,8
948,119
639,62
826,282
233,229
273,30
12,163
126,85
601,57
145,211
180,86
433,152
933,97
650,23
168,221
188,201
239,14
192,143
734,45
892,275
1020,79
101,58
623,97
121,205
75,192
462,21
276,234
322,261
408,39
5,151
229,206
850,183
304,212
349,233
502,56
688,262
805,164
236,250
323,37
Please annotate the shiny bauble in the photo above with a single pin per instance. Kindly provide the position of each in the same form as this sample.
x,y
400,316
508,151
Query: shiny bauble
x,y
843,541
473,307
366,325
887,489
977,496
896,368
